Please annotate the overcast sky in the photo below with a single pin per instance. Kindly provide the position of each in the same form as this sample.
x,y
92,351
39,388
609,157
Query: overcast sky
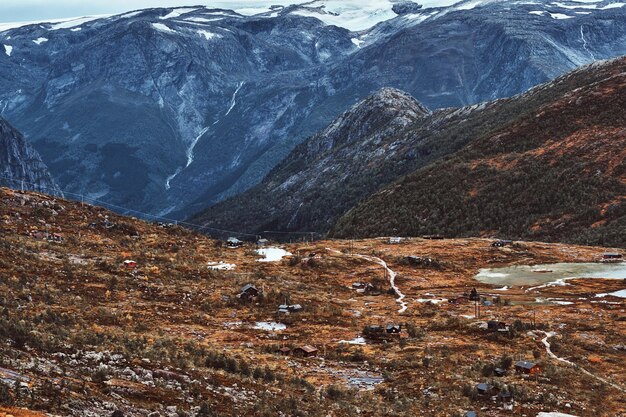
x,y
29,10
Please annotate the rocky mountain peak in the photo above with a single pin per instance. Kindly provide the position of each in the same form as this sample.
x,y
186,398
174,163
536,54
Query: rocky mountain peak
x,y
385,112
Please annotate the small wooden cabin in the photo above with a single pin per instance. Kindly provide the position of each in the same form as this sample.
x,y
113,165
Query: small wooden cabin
x,y
305,351
249,291
527,367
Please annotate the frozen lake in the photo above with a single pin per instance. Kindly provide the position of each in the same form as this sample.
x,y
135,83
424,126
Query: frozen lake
x,y
550,273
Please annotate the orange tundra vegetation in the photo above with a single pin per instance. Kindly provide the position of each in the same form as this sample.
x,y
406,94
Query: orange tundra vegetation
x,y
82,334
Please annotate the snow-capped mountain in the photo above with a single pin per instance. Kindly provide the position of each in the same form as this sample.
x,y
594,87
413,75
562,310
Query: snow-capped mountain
x,y
169,110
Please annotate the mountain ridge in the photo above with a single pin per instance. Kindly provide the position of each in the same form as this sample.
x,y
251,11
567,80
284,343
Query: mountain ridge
x,y
195,105
557,175
331,185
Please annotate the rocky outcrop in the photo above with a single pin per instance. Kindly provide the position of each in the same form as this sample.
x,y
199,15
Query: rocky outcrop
x,y
20,165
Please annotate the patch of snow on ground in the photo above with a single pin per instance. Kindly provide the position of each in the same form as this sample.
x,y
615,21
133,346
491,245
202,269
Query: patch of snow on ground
x,y
221,266
360,340
537,12
272,254
269,326
505,288
557,283
162,28
8,49
39,41
618,294
432,300
544,414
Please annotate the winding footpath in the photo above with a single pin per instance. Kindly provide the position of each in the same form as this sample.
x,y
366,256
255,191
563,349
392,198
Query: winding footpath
x,y
583,370
390,272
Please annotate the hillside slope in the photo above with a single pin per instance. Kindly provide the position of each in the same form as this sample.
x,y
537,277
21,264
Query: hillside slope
x,y
86,332
317,184
556,173
20,164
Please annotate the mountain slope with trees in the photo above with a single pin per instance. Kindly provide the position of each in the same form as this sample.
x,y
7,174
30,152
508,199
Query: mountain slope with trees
x,y
334,170
555,174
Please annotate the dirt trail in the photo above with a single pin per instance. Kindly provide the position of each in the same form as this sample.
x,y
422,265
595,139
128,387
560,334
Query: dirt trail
x,y
390,272
583,370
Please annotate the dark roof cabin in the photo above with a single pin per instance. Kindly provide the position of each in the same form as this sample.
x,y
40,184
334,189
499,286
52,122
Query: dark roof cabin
x,y
501,243
262,242
249,291
393,328
286,309
484,389
499,372
233,242
505,396
473,295
612,255
527,367
305,351
375,329
495,325
130,264
284,350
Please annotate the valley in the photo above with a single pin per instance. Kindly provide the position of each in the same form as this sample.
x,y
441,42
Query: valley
x,y
100,312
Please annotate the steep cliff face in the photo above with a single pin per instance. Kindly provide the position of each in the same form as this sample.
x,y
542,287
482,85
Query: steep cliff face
x,y
170,110
20,165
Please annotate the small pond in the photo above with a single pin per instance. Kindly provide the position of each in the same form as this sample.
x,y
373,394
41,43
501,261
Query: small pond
x,y
550,273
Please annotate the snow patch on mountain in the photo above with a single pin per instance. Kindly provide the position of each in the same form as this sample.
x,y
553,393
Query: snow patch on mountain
x,y
130,15
162,28
350,14
178,12
39,41
560,16
208,35
75,22
357,42
8,49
